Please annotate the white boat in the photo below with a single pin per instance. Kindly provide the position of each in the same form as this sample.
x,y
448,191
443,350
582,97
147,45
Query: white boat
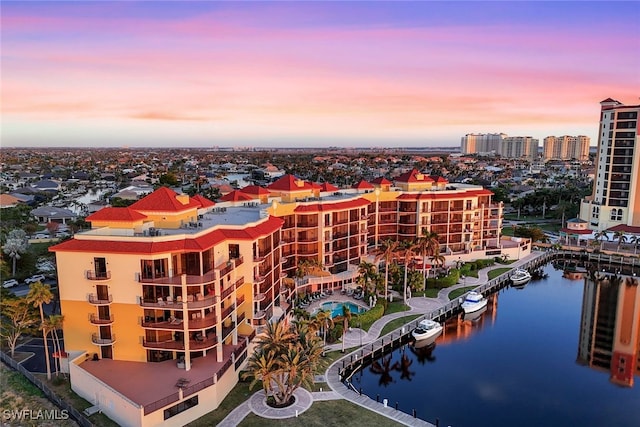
x,y
427,330
520,277
474,301
475,315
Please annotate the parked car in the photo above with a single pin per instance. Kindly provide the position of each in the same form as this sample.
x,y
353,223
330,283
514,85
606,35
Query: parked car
x,y
9,283
42,236
35,278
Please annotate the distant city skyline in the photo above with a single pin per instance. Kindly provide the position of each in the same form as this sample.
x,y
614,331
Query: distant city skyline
x,y
277,74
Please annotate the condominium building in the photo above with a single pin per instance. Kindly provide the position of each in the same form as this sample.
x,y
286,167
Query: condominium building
x,y
566,148
499,143
161,299
615,201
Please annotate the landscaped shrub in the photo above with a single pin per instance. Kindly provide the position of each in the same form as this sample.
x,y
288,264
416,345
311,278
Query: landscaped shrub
x,y
445,282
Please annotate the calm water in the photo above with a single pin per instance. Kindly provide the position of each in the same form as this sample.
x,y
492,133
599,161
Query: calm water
x,y
514,366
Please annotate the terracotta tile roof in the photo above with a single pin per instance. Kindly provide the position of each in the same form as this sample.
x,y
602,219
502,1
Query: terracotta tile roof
x,y
204,202
164,200
570,231
255,190
236,196
439,179
289,183
116,214
414,176
323,207
625,228
381,181
443,195
363,185
199,243
328,187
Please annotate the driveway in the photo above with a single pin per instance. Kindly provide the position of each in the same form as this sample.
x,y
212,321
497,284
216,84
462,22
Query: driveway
x,y
36,363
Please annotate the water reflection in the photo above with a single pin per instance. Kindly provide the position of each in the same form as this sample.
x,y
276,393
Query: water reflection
x,y
462,326
610,326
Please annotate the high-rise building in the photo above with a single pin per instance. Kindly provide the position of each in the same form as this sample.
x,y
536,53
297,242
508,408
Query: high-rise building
x,y
162,298
473,143
514,147
614,204
567,148
518,147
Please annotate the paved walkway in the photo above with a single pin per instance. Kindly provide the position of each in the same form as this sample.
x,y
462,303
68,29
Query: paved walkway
x,y
355,338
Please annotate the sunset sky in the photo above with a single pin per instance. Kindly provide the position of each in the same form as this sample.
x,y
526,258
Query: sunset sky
x,y
311,74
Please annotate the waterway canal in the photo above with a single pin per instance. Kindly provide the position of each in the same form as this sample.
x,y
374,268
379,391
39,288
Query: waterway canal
x,y
516,365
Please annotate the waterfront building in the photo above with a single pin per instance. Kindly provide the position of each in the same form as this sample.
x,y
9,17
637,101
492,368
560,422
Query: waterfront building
x,y
566,148
610,326
519,147
473,143
162,298
614,204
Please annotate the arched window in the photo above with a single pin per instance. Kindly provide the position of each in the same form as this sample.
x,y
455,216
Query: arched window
x,y
616,215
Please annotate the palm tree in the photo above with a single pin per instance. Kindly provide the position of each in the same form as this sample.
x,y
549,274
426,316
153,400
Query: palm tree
x,y
635,239
620,237
346,318
326,322
409,254
387,252
600,236
426,246
55,323
367,276
438,259
40,294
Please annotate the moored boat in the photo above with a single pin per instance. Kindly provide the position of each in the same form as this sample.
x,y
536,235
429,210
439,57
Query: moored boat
x,y
520,277
474,301
427,330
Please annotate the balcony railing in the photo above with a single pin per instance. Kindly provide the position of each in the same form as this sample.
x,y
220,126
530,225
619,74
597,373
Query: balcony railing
x,y
96,339
204,322
238,261
197,344
192,302
241,317
191,279
260,297
239,282
227,311
259,314
226,269
100,320
226,292
259,279
154,323
239,300
97,275
259,258
101,300
226,330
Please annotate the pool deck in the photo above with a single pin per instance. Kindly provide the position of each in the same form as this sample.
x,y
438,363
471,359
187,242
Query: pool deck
x,y
336,297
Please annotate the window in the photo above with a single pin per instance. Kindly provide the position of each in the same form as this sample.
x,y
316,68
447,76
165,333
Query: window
x,y
180,407
616,215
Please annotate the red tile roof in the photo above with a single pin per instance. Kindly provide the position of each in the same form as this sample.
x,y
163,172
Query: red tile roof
x,y
236,196
625,229
255,190
200,243
289,183
439,178
381,181
443,195
116,214
322,207
204,202
363,185
570,231
328,187
412,177
165,200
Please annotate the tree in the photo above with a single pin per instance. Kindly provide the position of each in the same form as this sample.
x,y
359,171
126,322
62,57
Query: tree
x,y
54,324
346,318
387,252
52,227
325,321
15,245
169,179
635,240
40,294
600,236
620,237
408,256
367,277
286,358
426,246
17,318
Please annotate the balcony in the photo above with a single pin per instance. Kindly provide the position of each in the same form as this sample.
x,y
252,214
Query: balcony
x,y
258,258
96,339
100,300
226,330
191,279
260,297
225,293
241,317
97,275
239,282
160,323
259,279
195,344
193,301
227,311
100,320
239,301
225,269
259,315
203,322
238,261
306,224
283,275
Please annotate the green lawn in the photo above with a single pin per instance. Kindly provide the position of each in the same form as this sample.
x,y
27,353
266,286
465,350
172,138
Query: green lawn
x,y
431,292
458,292
326,413
496,272
238,395
397,323
395,307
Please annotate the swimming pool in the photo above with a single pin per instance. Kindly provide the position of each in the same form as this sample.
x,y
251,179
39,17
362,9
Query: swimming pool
x,y
336,308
